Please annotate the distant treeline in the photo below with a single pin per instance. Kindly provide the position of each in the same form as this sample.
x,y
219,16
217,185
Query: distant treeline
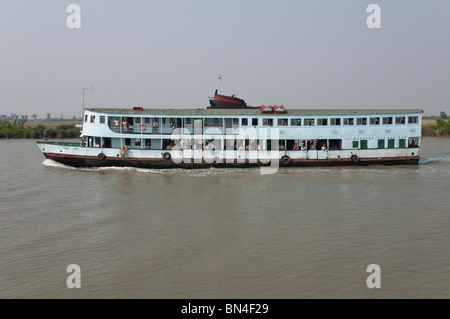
x,y
441,128
14,128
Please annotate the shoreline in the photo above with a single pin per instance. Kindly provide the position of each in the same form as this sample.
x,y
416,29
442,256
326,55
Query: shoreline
x,y
51,123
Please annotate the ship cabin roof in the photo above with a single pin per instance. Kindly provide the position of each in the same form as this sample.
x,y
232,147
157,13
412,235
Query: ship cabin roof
x,y
249,111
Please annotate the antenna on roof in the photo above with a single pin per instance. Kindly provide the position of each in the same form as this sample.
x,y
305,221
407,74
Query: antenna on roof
x,y
87,89
219,77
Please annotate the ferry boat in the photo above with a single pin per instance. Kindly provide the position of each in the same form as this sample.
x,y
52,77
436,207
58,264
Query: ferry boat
x,y
229,133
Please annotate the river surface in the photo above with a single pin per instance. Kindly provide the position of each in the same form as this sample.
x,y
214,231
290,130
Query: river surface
x,y
224,233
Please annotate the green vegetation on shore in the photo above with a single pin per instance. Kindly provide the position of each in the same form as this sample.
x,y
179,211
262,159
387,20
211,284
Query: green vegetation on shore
x,y
14,128
441,128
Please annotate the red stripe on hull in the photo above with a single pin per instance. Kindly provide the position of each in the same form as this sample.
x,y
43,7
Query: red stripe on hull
x,y
216,98
94,161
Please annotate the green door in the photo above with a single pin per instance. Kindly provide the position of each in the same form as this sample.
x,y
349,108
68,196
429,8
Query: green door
x,y
391,143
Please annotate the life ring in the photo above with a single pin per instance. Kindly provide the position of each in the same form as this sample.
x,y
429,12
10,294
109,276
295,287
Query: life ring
x,y
101,156
142,127
354,158
285,160
124,151
167,156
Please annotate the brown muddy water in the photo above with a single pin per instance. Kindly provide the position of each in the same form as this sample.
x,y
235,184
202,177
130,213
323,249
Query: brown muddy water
x,y
224,233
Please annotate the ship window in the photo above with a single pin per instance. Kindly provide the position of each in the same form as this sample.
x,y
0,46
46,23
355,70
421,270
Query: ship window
x,y
188,121
163,120
128,141
296,122
255,122
355,144
267,122
92,118
363,143
322,122
235,121
387,120
380,143
374,121
137,120
309,122
244,122
413,119
85,118
348,121
335,121
391,143
147,120
400,120
102,119
361,121
216,121
412,142
335,144
282,122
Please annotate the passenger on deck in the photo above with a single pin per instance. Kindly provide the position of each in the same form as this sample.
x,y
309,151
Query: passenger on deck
x,y
170,146
324,148
125,126
148,145
155,125
281,147
303,148
117,123
295,148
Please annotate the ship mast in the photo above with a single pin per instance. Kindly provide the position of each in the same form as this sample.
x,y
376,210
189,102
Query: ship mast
x,y
219,78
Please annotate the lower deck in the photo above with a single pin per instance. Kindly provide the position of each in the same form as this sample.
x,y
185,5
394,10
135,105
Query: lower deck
x,y
79,156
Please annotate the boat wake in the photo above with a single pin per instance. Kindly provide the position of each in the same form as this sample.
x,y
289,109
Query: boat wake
x,y
52,163
170,171
433,159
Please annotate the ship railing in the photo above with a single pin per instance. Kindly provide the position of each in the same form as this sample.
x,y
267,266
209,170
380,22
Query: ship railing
x,y
168,129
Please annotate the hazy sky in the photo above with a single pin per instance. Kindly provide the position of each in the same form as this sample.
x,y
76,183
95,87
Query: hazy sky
x,y
155,53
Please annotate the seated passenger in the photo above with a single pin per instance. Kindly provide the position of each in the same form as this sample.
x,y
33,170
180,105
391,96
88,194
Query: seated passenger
x,y
170,146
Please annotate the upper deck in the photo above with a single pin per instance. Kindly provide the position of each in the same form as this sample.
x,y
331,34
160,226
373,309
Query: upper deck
x,y
308,123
